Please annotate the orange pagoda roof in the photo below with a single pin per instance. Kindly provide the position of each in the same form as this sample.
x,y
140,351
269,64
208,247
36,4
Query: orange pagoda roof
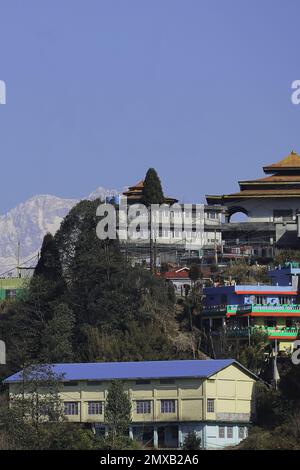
x,y
284,182
135,194
291,162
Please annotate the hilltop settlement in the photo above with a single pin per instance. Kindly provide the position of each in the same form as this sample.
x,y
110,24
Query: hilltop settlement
x,y
182,334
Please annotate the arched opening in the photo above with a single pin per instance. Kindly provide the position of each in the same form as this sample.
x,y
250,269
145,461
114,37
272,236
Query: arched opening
x,y
237,214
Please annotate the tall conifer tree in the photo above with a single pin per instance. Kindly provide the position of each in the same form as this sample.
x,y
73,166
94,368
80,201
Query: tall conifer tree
x,y
152,194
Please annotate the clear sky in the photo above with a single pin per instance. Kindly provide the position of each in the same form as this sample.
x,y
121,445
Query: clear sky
x,y
99,90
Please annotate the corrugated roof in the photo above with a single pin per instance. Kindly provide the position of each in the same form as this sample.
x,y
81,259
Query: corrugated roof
x,y
138,370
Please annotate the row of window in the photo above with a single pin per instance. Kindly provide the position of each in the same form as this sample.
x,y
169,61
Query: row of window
x,y
142,407
227,431
96,407
72,408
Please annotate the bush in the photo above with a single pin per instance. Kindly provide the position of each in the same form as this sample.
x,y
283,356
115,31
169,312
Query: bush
x,y
192,442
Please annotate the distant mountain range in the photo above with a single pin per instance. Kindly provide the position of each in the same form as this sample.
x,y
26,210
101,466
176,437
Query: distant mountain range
x,y
29,221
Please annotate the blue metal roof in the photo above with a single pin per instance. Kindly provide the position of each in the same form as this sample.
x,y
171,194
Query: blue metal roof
x,y
137,370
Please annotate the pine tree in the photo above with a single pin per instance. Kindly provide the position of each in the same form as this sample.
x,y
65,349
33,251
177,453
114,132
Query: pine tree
x,y
117,413
49,264
152,194
152,191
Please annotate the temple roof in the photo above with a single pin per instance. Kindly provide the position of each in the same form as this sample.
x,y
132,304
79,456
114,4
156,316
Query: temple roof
x,y
273,179
291,162
135,194
283,183
248,194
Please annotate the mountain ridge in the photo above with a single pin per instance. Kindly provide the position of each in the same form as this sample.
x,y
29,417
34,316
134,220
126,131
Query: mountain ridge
x,y
28,222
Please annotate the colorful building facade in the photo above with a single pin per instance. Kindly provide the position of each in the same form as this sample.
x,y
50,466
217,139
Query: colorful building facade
x,y
241,310
214,398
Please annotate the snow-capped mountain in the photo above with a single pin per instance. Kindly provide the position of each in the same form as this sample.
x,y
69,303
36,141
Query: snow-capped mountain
x,y
29,221
102,193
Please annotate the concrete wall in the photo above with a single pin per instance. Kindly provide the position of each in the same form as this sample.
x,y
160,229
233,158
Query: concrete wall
x,y
261,210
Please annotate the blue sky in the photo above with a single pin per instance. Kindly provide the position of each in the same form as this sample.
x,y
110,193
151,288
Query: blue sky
x,y
99,90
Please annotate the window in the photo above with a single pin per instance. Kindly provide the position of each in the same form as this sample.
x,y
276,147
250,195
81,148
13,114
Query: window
x,y
71,408
241,432
210,405
229,432
143,406
221,432
93,383
95,408
167,406
167,381
71,383
143,382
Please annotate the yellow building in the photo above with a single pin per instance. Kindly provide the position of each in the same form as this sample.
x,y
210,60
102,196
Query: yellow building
x,y
214,398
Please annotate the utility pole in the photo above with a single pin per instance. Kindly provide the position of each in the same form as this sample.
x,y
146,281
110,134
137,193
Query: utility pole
x,y
151,241
276,376
216,250
249,338
18,260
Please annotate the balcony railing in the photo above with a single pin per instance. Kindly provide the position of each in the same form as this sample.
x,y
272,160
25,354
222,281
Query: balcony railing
x,y
255,308
271,332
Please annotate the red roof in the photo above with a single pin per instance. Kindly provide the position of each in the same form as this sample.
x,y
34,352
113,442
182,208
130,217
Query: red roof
x,y
179,273
176,275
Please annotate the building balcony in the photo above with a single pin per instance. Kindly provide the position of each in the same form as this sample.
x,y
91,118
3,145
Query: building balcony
x,y
255,308
287,333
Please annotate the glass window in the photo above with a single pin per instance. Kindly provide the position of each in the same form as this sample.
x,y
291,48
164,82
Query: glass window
x,y
71,408
229,432
143,406
143,382
210,405
241,432
93,383
221,432
167,406
95,408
